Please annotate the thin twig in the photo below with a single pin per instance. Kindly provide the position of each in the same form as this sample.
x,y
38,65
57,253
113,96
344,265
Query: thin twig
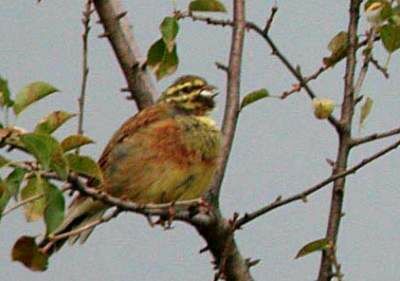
x,y
338,268
28,200
85,69
302,82
346,118
86,227
367,59
268,24
382,69
182,208
279,202
297,87
375,136
231,113
208,20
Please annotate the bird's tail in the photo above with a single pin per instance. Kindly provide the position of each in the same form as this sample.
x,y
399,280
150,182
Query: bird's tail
x,y
82,211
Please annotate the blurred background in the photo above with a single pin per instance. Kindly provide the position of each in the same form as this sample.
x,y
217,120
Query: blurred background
x,y
280,148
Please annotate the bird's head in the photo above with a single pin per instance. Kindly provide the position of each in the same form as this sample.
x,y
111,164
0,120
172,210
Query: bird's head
x,y
191,94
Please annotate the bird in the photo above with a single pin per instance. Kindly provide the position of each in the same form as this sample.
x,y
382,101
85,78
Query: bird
x,y
165,153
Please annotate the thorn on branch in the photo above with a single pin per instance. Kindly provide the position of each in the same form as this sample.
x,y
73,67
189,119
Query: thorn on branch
x,y
104,35
251,263
330,162
358,99
121,15
203,250
222,66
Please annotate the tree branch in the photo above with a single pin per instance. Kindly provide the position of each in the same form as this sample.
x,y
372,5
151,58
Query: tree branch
x,y
303,83
184,210
375,136
91,225
85,69
218,233
233,93
347,112
279,202
118,32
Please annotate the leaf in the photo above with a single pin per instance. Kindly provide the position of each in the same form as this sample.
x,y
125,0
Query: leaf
x,y
5,95
156,53
383,7
5,196
206,6
42,147
75,141
84,165
35,187
53,121
314,246
161,61
390,35
59,164
169,29
32,93
27,252
365,110
253,97
168,65
14,180
54,212
338,47
338,42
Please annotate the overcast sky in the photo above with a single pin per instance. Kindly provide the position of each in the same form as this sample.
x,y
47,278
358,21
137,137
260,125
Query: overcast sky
x,y
280,148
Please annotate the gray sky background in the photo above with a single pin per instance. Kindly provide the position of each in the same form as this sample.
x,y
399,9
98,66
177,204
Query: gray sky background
x,y
280,148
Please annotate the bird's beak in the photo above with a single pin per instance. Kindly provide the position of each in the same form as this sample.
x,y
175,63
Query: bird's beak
x,y
210,93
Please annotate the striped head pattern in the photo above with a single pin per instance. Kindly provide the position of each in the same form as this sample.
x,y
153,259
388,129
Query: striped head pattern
x,y
192,94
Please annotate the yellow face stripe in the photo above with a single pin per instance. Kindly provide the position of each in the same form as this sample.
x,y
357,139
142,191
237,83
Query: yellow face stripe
x,y
184,83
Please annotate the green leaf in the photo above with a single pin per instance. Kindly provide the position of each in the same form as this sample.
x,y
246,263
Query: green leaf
x,y
169,29
42,147
390,35
59,164
75,141
314,246
32,93
84,165
35,187
27,252
168,65
365,110
53,121
338,47
5,196
5,95
156,53
54,212
162,61
253,97
338,42
206,6
14,180
386,7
